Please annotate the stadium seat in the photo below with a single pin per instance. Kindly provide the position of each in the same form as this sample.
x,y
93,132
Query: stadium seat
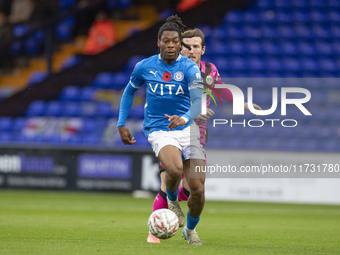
x,y
273,64
137,112
88,109
233,17
18,124
65,4
328,65
91,139
284,17
271,48
70,93
256,64
5,124
319,16
334,16
55,109
120,80
89,125
104,110
104,80
71,109
286,32
33,44
219,48
18,31
70,61
269,33
253,48
6,137
289,48
132,62
300,16
64,30
36,108
36,77
223,32
238,64
87,94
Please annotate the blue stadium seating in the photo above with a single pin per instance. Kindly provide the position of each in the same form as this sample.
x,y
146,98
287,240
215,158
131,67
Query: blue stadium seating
x,y
36,77
64,30
33,44
281,38
5,124
70,93
71,109
36,108
70,61
54,108
87,93
132,62
65,4
104,80
88,109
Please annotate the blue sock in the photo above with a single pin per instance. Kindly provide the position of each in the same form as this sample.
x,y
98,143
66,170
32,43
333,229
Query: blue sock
x,y
192,222
172,195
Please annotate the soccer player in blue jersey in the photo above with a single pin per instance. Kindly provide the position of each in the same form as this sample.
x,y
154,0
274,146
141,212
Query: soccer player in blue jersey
x,y
173,101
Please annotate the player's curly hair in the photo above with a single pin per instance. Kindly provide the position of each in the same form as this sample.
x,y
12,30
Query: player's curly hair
x,y
173,23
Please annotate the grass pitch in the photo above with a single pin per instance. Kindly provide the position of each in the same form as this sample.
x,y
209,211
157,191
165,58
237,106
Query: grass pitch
x,y
39,222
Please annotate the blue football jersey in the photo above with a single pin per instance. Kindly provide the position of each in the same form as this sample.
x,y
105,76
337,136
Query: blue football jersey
x,y
167,87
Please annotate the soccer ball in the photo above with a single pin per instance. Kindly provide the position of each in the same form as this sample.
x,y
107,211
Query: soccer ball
x,y
163,223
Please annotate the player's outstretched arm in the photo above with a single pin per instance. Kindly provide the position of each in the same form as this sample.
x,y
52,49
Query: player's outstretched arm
x,y
125,106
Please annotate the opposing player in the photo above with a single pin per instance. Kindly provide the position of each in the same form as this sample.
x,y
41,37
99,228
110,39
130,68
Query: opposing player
x,y
196,40
173,101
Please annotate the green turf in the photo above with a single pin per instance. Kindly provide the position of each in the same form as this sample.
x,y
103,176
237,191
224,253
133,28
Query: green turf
x,y
33,222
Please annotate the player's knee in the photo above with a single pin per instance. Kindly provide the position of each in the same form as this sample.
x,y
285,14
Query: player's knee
x,y
197,189
175,171
174,174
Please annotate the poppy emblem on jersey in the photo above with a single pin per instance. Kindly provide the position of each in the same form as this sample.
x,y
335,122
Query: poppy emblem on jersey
x,y
179,76
209,80
167,76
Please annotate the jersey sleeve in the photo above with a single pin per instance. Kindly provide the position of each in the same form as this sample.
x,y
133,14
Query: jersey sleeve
x,y
136,79
195,87
218,79
223,92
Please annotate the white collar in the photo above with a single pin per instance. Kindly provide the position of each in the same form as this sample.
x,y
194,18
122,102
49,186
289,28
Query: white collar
x,y
178,58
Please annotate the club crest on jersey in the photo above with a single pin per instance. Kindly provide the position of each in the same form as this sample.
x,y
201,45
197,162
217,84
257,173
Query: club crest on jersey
x,y
179,76
167,76
209,80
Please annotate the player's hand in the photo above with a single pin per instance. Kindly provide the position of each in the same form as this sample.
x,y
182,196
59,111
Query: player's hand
x,y
175,121
203,117
246,107
125,135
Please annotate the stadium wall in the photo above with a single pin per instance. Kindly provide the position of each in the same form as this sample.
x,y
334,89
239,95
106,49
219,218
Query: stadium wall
x,y
126,171
314,180
71,169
